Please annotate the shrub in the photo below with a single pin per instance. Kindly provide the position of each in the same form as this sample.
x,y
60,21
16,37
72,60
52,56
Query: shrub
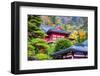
x,y
62,44
41,56
31,51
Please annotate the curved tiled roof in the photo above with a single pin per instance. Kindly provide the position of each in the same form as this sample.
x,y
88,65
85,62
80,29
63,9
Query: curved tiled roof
x,y
58,31
75,48
50,29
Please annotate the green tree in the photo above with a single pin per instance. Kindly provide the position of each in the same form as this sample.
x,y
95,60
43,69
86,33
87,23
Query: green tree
x,y
35,42
40,45
62,44
42,49
34,23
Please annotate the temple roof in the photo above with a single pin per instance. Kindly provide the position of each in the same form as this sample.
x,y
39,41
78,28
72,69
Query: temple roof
x,y
45,28
49,29
75,48
58,31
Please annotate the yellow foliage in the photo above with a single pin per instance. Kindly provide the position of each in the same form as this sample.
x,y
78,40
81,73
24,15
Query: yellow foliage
x,y
74,35
82,34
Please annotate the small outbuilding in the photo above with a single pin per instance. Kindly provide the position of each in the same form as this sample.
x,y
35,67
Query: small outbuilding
x,y
76,51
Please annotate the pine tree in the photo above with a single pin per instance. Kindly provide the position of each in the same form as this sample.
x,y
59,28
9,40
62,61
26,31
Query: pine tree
x,y
36,44
34,31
